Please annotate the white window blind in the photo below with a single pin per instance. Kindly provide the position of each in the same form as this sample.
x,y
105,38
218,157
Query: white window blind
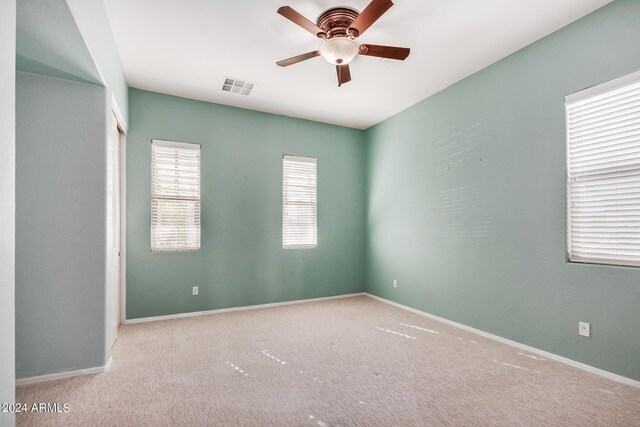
x,y
603,170
299,202
175,210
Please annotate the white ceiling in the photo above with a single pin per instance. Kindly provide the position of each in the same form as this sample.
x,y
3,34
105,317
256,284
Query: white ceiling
x,y
187,47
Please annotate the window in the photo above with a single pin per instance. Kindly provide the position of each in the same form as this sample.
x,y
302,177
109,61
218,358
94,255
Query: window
x,y
603,173
175,194
299,207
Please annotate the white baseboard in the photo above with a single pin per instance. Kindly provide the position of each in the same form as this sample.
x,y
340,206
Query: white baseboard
x,y
64,375
575,364
244,308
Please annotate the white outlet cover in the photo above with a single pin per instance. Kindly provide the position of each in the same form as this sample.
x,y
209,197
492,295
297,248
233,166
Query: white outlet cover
x,y
584,329
194,290
395,283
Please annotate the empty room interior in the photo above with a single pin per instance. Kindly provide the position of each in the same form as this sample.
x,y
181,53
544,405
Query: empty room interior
x,y
319,213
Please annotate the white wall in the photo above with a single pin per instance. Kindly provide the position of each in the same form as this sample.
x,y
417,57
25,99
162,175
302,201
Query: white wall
x,y
7,205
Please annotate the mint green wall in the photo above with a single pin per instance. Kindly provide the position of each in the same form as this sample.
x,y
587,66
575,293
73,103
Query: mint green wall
x,y
60,225
466,201
93,22
71,39
49,42
241,261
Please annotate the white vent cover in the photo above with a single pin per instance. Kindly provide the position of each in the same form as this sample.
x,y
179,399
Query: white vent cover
x,y
241,87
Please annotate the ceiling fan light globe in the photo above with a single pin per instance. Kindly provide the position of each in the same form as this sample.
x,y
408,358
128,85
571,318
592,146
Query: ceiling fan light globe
x,y
339,50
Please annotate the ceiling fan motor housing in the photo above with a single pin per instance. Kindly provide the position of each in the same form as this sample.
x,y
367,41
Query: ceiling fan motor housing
x,y
336,22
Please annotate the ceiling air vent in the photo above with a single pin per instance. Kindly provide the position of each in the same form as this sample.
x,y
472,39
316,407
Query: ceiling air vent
x,y
237,86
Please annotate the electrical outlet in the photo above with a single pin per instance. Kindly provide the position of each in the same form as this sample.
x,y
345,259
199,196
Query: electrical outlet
x,y
194,290
584,329
395,283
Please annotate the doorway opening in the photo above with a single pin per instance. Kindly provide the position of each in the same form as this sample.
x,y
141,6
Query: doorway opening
x,y
115,213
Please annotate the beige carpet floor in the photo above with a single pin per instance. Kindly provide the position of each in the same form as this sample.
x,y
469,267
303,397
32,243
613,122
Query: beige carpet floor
x,y
348,362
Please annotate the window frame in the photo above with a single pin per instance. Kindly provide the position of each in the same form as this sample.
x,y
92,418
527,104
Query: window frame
x,y
300,159
572,100
179,145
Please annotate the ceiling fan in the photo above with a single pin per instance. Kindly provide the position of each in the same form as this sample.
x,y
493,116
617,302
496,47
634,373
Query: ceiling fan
x,y
339,27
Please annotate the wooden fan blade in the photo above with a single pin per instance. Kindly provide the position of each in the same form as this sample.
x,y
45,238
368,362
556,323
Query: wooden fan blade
x,y
344,74
300,20
369,15
391,52
298,58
